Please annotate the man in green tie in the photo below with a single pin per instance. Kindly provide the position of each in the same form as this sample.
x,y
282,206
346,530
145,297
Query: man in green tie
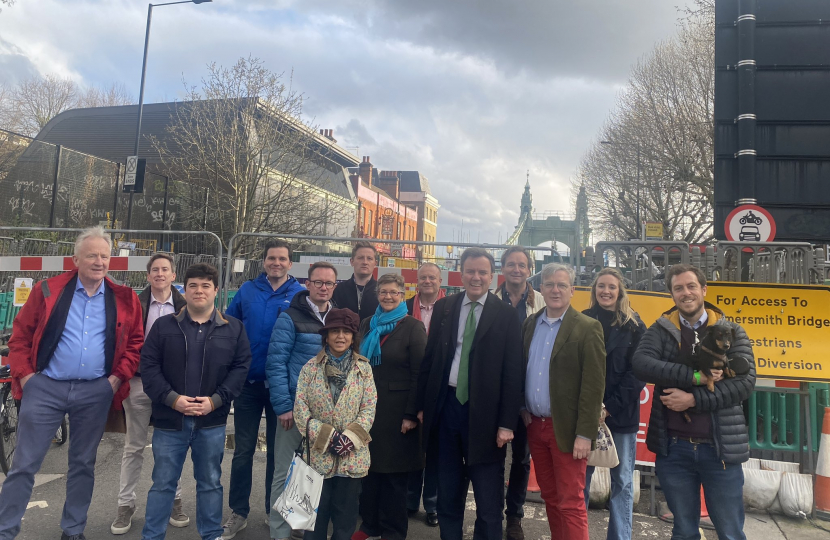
x,y
469,395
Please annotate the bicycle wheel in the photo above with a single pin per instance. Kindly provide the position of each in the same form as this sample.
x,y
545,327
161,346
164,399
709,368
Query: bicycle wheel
x,y
63,433
8,427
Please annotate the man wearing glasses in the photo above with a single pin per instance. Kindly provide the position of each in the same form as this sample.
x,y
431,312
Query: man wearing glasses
x,y
294,341
564,354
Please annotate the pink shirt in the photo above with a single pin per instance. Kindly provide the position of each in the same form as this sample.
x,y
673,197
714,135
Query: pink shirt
x,y
157,309
426,314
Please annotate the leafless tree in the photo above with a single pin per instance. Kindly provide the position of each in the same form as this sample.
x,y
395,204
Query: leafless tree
x,y
662,132
240,136
39,99
9,112
112,96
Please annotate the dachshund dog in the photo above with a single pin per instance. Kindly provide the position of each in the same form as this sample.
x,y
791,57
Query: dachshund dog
x,y
710,353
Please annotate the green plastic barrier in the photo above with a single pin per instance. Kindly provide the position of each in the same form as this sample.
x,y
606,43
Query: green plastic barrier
x,y
775,418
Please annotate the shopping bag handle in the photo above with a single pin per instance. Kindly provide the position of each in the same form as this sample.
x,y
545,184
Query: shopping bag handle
x,y
299,449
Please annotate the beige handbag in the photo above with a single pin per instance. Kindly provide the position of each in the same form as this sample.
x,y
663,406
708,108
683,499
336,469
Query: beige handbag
x,y
605,454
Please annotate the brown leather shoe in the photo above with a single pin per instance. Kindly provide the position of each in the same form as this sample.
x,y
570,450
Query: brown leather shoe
x,y
514,528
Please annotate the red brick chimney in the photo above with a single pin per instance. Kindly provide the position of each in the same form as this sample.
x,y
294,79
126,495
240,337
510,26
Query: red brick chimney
x,y
366,171
389,182
328,134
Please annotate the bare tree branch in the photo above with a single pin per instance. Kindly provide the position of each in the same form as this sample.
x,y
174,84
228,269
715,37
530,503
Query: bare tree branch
x,y
667,116
240,136
39,99
112,96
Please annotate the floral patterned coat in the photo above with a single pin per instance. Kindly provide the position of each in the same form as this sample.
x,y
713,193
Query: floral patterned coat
x,y
352,416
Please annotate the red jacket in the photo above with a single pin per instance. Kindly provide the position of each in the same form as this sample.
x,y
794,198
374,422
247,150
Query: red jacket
x,y
31,321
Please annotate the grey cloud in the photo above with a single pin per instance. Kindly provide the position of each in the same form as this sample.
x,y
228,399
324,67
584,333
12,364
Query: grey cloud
x,y
14,65
355,133
472,94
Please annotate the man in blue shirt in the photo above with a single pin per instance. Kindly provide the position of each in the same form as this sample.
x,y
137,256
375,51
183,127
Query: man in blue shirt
x,y
74,348
564,354
257,304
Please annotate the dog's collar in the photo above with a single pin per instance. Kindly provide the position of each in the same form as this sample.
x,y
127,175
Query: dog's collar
x,y
720,356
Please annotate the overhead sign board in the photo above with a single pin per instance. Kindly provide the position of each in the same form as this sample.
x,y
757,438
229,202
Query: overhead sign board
x,y
788,325
396,250
750,223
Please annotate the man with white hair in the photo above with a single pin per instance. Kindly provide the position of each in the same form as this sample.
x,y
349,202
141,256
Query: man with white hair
x,y
564,357
75,346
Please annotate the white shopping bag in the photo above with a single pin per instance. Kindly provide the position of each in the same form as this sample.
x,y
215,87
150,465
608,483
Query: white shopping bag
x,y
300,497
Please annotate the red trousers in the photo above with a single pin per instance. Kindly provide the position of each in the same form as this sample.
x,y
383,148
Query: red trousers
x,y
562,480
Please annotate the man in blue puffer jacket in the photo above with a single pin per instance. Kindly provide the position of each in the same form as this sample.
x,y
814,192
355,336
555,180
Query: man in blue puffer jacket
x,y
257,304
294,341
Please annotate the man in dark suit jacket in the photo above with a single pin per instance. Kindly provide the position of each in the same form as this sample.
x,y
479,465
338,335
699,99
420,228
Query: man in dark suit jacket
x,y
469,394
564,354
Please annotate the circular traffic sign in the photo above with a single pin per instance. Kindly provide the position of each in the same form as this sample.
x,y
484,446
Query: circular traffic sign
x,y
750,223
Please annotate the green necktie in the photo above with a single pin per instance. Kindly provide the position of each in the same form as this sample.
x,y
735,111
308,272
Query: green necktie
x,y
462,388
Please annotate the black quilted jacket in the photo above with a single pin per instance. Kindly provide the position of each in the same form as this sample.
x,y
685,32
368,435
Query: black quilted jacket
x,y
654,362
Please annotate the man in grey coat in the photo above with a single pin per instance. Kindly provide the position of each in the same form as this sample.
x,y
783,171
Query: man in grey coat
x,y
700,437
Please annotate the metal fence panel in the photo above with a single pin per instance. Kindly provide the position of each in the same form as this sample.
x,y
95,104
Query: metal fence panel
x,y
185,246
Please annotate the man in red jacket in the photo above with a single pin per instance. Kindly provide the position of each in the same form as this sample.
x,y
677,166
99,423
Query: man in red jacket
x,y
75,346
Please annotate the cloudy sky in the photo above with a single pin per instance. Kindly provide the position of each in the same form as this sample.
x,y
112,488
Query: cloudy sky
x,y
472,93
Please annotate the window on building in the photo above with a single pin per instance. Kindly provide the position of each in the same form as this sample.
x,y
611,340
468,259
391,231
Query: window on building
x,y
370,225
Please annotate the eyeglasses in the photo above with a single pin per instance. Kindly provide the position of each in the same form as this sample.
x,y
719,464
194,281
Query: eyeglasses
x,y
320,283
393,294
549,285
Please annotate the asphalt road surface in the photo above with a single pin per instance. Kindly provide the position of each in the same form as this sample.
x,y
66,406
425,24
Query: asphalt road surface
x,y
42,520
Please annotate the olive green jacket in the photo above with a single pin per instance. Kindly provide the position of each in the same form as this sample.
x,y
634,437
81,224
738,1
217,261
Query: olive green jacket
x,y
577,376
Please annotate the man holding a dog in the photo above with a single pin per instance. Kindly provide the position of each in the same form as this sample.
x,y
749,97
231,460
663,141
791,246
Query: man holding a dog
x,y
699,436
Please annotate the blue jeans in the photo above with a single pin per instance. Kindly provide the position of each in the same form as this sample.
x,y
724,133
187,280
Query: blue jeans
x,y
681,474
207,447
621,503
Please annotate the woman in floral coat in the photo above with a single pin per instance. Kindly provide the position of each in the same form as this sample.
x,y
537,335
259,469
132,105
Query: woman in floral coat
x,y
335,407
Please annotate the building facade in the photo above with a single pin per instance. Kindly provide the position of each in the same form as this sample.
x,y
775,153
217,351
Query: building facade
x,y
395,205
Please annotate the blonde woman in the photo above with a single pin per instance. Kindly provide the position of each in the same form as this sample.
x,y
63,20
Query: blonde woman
x,y
622,329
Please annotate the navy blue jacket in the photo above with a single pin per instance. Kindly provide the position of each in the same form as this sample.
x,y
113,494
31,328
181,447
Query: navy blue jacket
x,y
258,305
225,362
294,341
622,388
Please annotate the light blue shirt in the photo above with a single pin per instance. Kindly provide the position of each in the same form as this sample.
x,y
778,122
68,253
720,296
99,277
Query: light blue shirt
x,y
537,379
80,351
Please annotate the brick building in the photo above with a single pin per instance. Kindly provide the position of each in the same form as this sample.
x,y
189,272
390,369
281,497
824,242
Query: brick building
x,y
397,205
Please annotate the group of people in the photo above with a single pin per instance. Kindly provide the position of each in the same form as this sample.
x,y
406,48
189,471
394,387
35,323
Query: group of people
x,y
401,401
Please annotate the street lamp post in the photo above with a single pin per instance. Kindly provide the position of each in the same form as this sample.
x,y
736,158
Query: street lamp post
x,y
640,231
141,89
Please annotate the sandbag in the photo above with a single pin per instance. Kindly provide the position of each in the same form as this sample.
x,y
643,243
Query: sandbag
x,y
761,487
752,463
600,488
775,507
796,494
636,486
783,466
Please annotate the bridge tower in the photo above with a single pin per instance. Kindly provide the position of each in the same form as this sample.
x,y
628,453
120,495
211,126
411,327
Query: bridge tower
x,y
527,199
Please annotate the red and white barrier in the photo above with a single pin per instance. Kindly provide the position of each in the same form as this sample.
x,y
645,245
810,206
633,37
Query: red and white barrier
x,y
63,264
